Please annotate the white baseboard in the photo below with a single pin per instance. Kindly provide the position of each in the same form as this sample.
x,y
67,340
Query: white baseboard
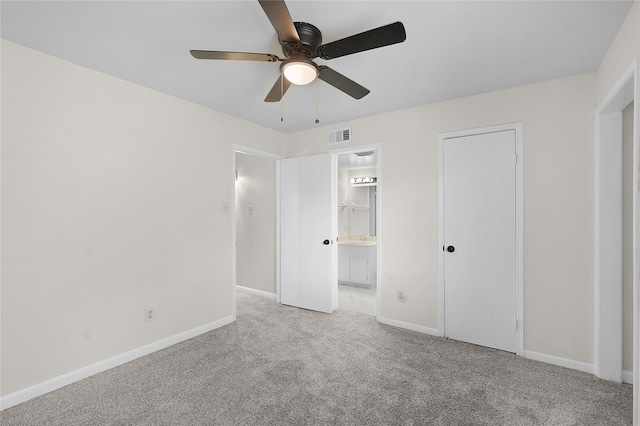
x,y
410,326
26,394
627,376
549,359
562,362
256,292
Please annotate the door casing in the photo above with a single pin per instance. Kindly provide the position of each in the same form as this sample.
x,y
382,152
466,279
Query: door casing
x,y
518,129
608,232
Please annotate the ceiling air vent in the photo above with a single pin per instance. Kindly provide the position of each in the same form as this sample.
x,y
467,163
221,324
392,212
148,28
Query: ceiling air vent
x,y
340,136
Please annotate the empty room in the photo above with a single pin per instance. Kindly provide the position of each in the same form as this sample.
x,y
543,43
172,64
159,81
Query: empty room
x,y
319,212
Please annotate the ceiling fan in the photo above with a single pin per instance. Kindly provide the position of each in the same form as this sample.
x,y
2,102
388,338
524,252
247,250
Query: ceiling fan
x,y
302,42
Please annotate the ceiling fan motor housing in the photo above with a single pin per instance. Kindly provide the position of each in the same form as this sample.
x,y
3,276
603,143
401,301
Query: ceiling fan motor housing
x,y
310,40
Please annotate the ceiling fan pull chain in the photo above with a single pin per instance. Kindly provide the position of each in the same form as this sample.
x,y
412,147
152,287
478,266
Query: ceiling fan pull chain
x,y
317,95
281,97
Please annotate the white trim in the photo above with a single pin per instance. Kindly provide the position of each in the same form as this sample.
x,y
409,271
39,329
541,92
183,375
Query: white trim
x,y
409,326
256,152
608,212
562,362
518,128
379,238
333,159
256,292
636,245
608,247
627,377
608,229
234,244
618,98
47,386
278,264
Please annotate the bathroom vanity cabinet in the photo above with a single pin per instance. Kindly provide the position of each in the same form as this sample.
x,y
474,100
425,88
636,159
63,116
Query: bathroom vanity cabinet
x,y
357,264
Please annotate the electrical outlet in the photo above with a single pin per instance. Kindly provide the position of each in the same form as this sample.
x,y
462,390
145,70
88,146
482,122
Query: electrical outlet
x,y
400,296
251,210
149,314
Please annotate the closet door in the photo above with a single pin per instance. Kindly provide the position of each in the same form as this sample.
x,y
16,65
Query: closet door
x,y
480,239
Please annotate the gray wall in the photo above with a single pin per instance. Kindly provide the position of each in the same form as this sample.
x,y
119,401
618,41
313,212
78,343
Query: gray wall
x,y
256,232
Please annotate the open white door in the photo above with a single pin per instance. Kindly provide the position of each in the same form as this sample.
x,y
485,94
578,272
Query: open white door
x,y
308,226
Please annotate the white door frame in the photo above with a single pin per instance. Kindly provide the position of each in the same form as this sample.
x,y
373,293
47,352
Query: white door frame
x,y
359,148
519,308
264,154
608,231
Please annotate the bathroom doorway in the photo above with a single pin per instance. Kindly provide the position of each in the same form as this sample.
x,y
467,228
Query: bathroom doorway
x,y
358,192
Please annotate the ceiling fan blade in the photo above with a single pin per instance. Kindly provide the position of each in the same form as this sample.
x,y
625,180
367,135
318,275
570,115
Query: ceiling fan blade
x,y
372,39
341,82
236,56
278,90
278,14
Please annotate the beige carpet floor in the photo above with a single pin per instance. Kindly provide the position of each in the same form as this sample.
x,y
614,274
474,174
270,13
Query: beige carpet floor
x,y
278,365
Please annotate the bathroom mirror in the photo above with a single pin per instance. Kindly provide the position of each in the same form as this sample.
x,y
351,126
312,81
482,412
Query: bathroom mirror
x,y
356,202
357,191
359,210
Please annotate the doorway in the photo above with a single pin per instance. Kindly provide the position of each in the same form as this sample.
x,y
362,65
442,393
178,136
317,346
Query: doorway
x,y
480,235
255,212
310,234
609,241
358,229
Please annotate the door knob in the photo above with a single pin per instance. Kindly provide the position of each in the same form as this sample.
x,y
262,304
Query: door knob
x,y
326,242
451,249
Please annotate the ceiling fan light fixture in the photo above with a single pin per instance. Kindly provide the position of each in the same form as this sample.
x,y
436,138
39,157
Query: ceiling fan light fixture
x,y
300,72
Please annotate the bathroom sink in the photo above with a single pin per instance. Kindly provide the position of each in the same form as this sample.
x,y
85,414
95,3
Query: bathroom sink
x,y
357,243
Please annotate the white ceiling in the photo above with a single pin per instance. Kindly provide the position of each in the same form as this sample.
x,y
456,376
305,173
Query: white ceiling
x,y
453,49
353,161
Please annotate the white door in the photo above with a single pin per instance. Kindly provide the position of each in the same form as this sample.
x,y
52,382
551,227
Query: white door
x,y
479,175
308,225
